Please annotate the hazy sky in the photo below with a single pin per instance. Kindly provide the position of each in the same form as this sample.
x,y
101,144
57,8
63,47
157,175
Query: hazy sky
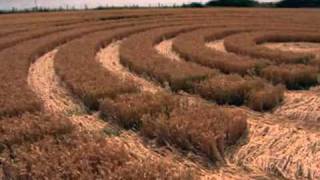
x,y
21,4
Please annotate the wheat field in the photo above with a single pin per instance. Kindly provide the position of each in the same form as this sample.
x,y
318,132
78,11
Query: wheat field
x,y
216,93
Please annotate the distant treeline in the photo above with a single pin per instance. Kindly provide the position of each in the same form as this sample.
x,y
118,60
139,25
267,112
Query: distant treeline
x,y
253,3
299,3
212,3
35,9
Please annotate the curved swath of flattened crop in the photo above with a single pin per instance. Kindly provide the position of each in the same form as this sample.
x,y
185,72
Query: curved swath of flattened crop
x,y
248,44
191,46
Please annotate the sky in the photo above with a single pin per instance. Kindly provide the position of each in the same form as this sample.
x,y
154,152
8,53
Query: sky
x,y
23,4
